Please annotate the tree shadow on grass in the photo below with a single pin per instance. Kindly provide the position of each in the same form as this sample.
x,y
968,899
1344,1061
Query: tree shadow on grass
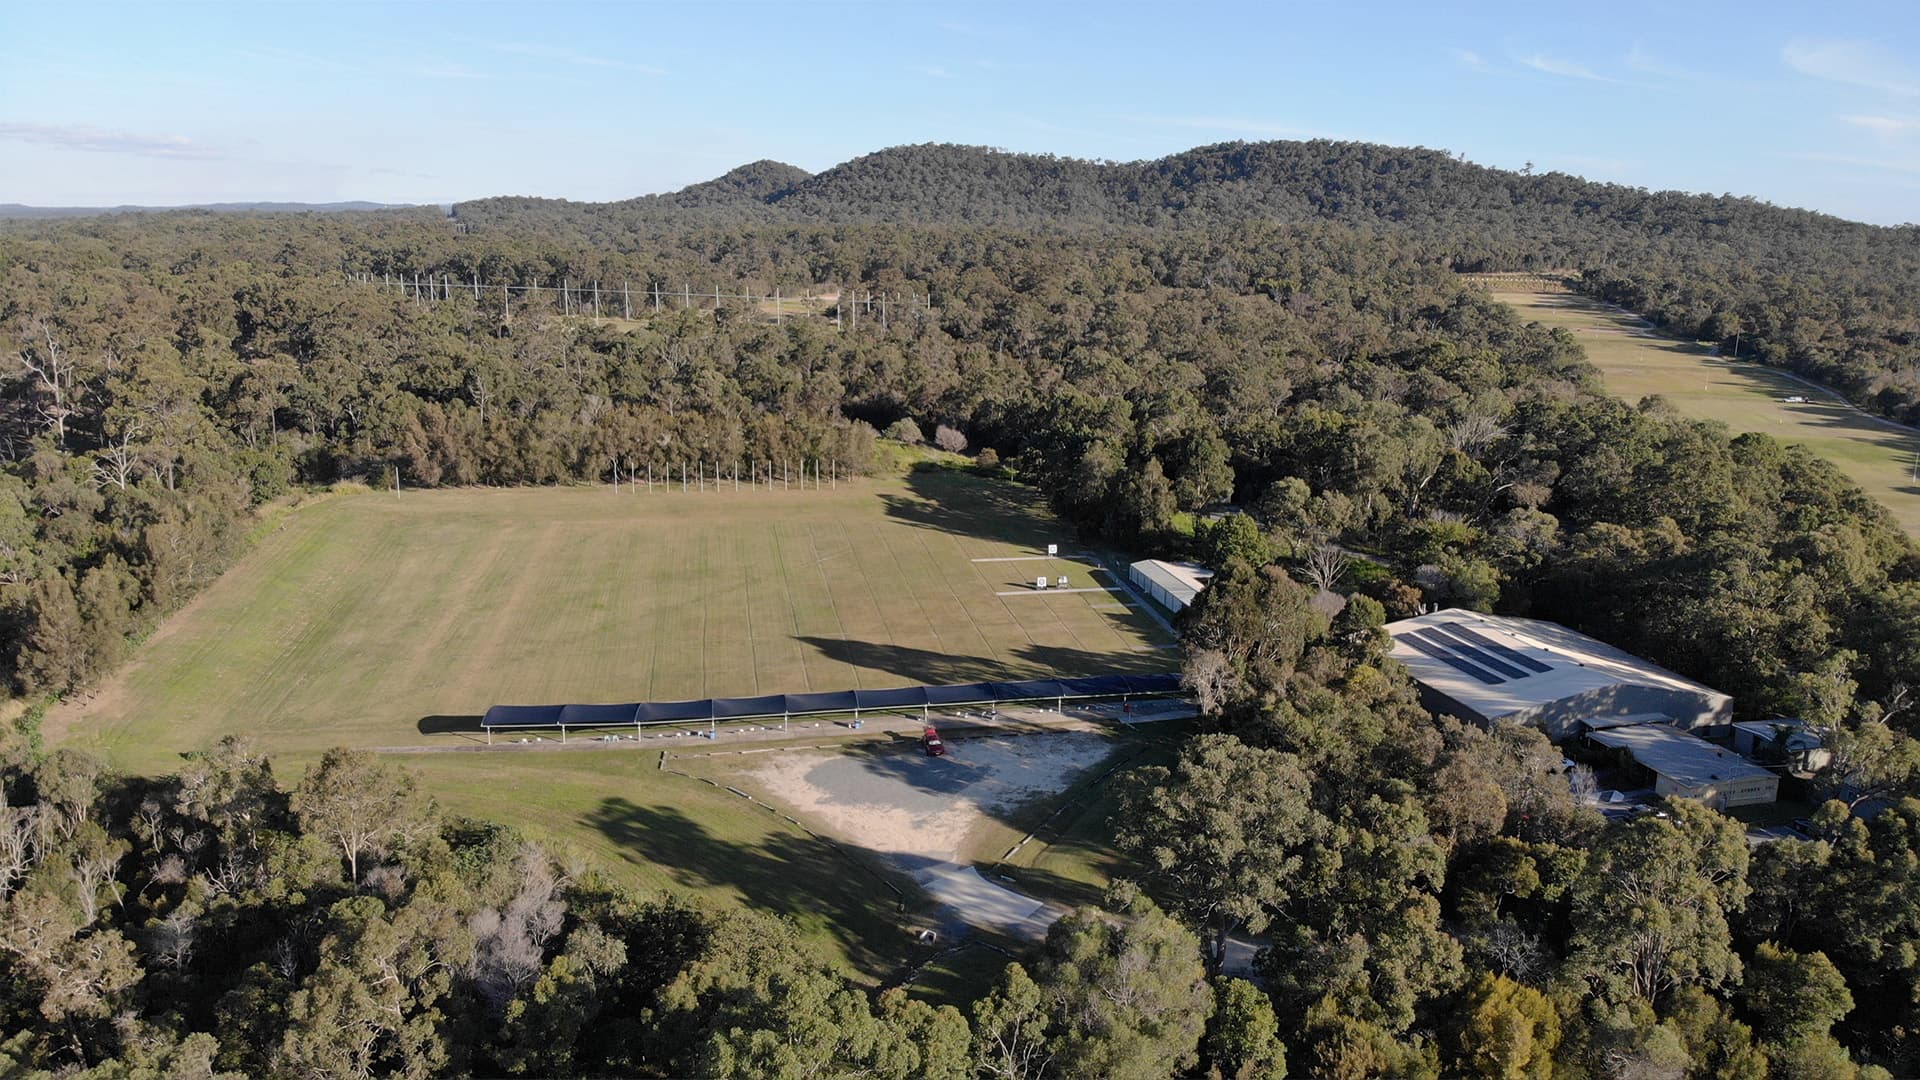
x,y
1032,661
449,725
961,503
1046,885
823,887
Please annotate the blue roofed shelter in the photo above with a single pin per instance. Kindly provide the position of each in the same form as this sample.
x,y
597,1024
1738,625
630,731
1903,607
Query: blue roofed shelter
x,y
714,710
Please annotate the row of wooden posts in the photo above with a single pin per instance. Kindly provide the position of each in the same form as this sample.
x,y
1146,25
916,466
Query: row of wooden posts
x,y
694,476
585,299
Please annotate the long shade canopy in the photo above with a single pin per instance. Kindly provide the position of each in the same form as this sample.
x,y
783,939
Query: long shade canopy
x,y
838,701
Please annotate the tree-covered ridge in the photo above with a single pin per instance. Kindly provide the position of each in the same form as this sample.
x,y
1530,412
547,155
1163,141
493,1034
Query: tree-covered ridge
x,y
1832,299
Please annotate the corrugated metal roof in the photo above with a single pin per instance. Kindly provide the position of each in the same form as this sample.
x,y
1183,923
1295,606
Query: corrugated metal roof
x,y
1182,581
1497,665
1685,759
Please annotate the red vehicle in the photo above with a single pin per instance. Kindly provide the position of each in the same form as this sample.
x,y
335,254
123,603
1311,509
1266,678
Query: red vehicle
x,y
930,742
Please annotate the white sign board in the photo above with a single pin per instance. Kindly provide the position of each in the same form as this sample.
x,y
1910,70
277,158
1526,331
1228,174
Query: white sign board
x,y
1053,549
1040,582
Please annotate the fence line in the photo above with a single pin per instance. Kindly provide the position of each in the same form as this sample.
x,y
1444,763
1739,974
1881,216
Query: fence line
x,y
592,298
774,474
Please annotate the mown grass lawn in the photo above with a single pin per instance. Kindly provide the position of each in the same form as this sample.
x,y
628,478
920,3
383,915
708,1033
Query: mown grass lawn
x,y
362,619
1636,362
370,620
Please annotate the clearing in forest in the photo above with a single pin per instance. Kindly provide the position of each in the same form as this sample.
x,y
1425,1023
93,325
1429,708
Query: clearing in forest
x,y
1637,361
370,620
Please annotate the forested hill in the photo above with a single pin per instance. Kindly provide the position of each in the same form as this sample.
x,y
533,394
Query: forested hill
x,y
1223,184
1835,300
18,210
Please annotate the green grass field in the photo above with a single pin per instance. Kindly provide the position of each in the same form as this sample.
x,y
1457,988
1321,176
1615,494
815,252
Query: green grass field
x,y
371,620
368,620
1637,362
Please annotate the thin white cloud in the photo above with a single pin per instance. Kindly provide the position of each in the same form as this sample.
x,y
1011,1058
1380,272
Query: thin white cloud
x,y
1858,162
1853,63
1640,59
1566,69
562,55
936,71
102,141
1884,126
1469,59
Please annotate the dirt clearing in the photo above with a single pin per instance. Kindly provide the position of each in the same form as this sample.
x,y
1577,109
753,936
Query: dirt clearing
x,y
904,803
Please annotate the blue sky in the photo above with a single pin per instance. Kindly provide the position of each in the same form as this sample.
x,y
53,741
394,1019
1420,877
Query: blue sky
x,y
1801,104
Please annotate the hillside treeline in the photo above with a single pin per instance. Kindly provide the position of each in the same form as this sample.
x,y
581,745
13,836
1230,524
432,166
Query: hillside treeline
x,y
1834,300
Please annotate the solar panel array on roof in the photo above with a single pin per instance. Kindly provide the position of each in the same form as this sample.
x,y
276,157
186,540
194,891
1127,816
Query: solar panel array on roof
x,y
1474,654
1515,655
1468,650
1437,650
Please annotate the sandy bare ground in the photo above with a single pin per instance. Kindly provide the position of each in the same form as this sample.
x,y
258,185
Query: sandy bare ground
x,y
905,803
920,811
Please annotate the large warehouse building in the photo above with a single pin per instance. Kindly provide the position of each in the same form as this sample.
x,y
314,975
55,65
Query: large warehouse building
x,y
1489,668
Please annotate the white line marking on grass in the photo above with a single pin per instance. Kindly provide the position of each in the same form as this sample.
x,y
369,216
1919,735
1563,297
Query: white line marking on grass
x,y
926,546
1047,591
1027,558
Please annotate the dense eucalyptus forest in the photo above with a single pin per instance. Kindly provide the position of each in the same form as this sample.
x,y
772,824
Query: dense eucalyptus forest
x,y
1279,327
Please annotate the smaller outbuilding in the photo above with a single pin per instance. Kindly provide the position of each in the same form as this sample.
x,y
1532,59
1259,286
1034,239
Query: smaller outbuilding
x,y
1688,766
1174,586
1785,741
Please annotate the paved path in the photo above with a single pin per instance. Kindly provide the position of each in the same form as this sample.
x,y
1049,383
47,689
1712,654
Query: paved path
x,y
974,901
